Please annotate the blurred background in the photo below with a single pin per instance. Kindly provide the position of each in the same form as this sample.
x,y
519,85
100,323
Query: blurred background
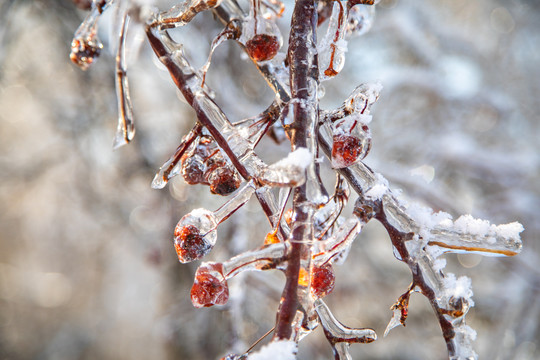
x,y
87,267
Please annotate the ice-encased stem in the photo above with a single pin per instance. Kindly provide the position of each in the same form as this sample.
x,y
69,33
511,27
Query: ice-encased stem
x,y
339,335
264,258
490,244
241,196
169,169
182,14
126,126
339,242
303,83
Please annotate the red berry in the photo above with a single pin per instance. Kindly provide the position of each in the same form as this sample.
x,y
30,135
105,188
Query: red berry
x,y
192,170
262,47
223,181
346,150
210,286
190,243
322,281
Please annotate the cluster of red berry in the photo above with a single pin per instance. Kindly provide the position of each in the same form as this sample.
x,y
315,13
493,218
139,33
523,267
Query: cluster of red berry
x,y
205,164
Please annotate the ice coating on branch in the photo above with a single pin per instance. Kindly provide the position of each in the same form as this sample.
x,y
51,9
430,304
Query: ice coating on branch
x,y
339,335
466,234
126,125
264,258
377,191
338,244
181,14
281,349
230,32
171,167
290,171
235,202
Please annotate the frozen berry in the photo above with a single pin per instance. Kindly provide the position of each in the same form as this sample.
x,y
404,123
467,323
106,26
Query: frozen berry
x,y
223,181
322,281
347,149
192,169
210,286
190,243
262,47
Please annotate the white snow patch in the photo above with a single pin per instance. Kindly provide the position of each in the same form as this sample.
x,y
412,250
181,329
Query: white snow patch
x,y
300,157
282,350
468,224
509,231
376,192
460,287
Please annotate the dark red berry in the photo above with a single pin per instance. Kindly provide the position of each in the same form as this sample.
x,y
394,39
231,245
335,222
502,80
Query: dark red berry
x,y
346,150
223,181
192,170
322,280
210,287
190,243
262,47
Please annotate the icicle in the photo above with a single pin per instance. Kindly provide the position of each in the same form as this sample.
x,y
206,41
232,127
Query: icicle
x,y
333,46
196,233
126,127
400,311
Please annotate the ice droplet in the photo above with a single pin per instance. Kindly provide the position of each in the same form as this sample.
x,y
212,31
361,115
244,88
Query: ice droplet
x,y
351,140
195,235
86,46
360,20
210,287
260,36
